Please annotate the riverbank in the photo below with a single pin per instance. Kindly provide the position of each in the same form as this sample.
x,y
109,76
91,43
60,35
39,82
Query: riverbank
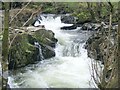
x,y
102,47
54,54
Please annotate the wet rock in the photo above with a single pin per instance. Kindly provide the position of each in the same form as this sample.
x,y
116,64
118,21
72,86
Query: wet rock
x,y
33,23
23,51
46,37
81,22
68,19
69,27
91,26
87,26
92,45
98,26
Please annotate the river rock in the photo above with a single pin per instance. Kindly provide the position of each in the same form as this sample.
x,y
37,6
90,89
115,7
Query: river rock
x,y
68,19
91,26
23,51
69,27
98,26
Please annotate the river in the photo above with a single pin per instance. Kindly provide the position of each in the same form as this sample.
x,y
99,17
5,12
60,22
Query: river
x,y
70,68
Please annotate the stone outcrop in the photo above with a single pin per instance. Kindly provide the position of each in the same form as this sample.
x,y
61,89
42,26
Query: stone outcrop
x,y
23,50
101,48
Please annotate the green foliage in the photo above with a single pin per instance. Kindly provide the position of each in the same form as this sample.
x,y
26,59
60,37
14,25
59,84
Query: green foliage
x,y
82,16
49,10
78,9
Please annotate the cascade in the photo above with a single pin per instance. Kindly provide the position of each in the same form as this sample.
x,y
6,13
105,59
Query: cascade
x,y
37,45
68,69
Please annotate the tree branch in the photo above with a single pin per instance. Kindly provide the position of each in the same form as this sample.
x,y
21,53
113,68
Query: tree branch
x,y
31,16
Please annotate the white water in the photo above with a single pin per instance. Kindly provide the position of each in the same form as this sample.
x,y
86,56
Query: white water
x,y
70,67
40,50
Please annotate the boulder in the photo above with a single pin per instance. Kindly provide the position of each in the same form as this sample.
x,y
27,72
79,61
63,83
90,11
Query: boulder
x,y
45,37
91,26
69,27
81,22
98,26
68,19
23,50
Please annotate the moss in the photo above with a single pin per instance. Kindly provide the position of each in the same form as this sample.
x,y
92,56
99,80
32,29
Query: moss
x,y
21,51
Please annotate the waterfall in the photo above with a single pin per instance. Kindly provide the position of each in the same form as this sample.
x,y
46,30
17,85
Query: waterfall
x,y
68,69
37,45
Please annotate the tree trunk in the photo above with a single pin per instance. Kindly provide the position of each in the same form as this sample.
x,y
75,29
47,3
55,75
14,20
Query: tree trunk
x,y
5,47
118,45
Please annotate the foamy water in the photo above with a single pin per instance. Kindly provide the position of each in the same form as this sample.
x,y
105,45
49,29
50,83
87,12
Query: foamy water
x,y
68,69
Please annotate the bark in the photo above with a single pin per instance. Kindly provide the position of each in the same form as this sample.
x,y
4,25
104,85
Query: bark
x,y
5,47
118,45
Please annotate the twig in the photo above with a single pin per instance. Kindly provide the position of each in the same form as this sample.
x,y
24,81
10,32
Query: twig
x,y
31,16
12,39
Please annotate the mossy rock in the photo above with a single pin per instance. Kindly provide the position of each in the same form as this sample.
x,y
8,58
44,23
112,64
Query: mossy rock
x,y
23,51
44,37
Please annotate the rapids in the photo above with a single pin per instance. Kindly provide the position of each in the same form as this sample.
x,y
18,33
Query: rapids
x,y
70,68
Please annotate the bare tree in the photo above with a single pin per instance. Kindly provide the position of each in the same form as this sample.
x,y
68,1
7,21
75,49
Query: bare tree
x,y
118,45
